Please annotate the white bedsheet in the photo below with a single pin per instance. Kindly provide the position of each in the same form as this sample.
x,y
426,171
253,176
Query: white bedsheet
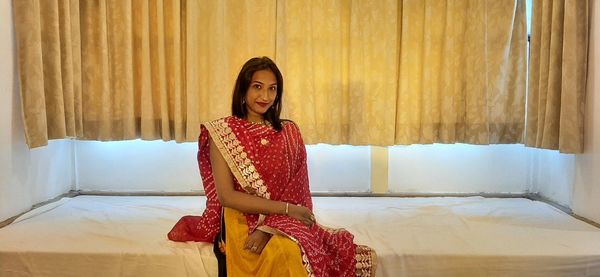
x,y
472,236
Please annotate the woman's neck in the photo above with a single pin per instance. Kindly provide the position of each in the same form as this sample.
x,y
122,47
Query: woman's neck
x,y
255,118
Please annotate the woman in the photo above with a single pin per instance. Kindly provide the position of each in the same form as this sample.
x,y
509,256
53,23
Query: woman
x,y
253,168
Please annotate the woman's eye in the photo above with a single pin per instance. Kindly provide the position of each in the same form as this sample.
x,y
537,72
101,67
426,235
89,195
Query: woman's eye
x,y
257,86
273,88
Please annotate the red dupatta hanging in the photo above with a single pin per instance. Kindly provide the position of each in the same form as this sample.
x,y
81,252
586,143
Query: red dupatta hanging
x,y
271,164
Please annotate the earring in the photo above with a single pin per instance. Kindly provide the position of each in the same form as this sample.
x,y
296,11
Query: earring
x,y
243,101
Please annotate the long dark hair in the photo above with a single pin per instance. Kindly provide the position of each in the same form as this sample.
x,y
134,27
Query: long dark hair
x,y
238,108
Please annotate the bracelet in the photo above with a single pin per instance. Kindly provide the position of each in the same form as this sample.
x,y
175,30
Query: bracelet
x,y
287,206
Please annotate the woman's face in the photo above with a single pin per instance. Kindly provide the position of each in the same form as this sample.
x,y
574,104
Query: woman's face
x,y
261,93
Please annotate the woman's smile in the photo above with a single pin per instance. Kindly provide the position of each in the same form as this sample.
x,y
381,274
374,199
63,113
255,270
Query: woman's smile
x,y
264,105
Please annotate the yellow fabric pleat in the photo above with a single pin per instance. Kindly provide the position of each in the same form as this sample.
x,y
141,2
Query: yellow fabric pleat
x,y
280,257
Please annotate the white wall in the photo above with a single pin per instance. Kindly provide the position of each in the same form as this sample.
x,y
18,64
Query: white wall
x,y
460,168
27,177
137,165
340,168
574,180
553,175
170,167
586,190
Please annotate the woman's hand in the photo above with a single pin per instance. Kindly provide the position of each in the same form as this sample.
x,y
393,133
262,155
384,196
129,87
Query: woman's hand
x,y
256,241
301,213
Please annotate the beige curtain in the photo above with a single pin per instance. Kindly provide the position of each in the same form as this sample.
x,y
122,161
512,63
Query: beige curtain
x,y
462,72
356,72
340,63
402,72
113,70
557,77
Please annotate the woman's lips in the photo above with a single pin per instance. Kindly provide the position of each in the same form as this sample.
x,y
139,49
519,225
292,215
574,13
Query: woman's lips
x,y
264,105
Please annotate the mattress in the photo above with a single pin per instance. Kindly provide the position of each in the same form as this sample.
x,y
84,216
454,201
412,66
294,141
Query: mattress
x,y
433,236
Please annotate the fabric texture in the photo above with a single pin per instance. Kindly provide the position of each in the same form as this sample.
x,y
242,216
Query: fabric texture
x,y
116,70
280,257
272,164
557,78
407,71
123,236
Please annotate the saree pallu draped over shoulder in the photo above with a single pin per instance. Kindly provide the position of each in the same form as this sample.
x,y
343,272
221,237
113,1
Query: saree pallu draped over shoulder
x,y
271,164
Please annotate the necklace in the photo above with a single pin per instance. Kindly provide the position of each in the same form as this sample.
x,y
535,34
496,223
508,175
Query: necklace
x,y
263,122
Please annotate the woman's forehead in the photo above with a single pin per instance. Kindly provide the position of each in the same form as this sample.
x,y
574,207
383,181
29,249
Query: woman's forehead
x,y
264,76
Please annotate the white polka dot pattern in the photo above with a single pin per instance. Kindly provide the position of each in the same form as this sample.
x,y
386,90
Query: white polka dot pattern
x,y
272,164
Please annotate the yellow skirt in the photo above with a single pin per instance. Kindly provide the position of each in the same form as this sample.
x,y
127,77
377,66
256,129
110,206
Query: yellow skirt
x,y
280,257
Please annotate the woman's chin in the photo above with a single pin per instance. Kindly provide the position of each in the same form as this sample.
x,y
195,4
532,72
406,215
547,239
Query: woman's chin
x,y
262,111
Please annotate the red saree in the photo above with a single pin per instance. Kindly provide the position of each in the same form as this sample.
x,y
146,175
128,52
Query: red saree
x,y
271,164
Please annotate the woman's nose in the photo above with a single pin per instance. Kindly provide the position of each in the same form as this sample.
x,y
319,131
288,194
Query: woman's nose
x,y
264,94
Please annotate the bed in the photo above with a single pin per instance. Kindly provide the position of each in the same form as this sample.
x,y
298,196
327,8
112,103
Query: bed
x,y
431,236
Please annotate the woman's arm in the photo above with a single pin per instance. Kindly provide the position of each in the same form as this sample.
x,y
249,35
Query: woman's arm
x,y
244,202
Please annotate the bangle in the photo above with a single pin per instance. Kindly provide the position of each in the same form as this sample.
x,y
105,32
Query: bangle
x,y
287,206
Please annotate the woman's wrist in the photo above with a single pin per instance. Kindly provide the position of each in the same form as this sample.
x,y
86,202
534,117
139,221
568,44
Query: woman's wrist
x,y
285,210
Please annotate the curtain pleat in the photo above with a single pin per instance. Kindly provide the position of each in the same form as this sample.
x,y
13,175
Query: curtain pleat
x,y
557,76
462,72
356,72
340,68
114,70
31,81
220,37
404,72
